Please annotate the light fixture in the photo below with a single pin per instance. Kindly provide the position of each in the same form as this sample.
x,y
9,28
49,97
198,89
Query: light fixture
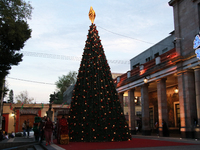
x,y
145,80
135,100
176,90
12,114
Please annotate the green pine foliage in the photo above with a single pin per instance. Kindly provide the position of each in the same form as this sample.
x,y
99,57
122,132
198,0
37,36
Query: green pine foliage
x,y
96,114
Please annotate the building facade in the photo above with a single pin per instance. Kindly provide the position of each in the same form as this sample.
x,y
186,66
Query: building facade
x,y
14,115
166,77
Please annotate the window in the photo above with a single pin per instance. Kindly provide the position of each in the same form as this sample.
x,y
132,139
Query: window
x,y
164,50
148,59
151,117
156,55
177,114
137,65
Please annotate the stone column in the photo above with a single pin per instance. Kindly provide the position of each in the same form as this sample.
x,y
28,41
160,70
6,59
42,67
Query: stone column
x,y
121,100
197,89
162,103
187,102
145,110
131,111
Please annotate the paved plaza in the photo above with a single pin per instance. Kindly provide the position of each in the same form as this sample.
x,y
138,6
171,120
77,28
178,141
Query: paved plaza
x,y
195,144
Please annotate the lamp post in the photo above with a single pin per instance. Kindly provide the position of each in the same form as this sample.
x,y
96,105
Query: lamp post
x,y
145,80
176,90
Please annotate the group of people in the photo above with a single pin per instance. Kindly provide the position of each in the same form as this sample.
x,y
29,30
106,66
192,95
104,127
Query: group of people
x,y
26,128
46,130
4,135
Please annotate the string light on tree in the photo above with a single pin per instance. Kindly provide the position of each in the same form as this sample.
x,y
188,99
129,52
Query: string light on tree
x,y
96,107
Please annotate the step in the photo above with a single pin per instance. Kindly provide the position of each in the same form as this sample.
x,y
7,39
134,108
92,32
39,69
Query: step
x,y
30,149
38,147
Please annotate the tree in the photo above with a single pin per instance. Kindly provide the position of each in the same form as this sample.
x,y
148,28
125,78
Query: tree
x,y
14,32
11,95
56,98
62,84
65,81
23,98
96,113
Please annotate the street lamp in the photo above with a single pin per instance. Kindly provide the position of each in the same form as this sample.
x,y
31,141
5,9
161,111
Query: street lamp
x,y
176,90
145,80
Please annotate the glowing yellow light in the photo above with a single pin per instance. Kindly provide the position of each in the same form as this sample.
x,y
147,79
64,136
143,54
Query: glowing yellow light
x,y
145,80
176,90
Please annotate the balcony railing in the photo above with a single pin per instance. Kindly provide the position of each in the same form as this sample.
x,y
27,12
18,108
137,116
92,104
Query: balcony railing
x,y
148,65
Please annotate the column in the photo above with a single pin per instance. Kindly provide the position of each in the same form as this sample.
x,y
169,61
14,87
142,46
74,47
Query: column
x,y
145,110
131,111
197,89
121,100
187,102
162,104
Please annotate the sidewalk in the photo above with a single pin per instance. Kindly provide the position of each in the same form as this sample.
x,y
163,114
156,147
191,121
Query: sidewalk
x,y
195,144
21,141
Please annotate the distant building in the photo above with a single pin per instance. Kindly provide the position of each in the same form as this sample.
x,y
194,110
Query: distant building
x,y
14,115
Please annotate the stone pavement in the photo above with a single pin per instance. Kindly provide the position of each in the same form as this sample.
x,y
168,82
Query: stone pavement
x,y
173,139
30,140
19,142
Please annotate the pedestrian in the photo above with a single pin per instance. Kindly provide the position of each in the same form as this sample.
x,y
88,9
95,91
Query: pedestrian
x,y
139,126
12,134
42,124
24,128
48,129
27,127
165,128
6,135
157,128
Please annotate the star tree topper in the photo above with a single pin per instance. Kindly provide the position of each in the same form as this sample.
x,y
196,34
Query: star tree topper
x,y
92,14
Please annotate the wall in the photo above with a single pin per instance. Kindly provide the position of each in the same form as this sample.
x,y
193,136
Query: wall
x,y
166,43
186,22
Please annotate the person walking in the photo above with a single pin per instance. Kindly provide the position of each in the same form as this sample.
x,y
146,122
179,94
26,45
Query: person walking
x,y
27,128
165,129
157,128
42,124
24,128
48,129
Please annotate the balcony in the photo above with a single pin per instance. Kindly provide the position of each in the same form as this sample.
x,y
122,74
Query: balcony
x,y
148,67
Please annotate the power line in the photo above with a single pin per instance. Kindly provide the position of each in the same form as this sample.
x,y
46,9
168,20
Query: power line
x,y
63,57
126,36
30,81
131,37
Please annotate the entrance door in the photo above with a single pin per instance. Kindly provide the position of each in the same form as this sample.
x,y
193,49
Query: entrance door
x,y
25,117
177,115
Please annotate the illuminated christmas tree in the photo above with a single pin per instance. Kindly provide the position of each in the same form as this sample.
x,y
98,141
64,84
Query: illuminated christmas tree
x,y
96,114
